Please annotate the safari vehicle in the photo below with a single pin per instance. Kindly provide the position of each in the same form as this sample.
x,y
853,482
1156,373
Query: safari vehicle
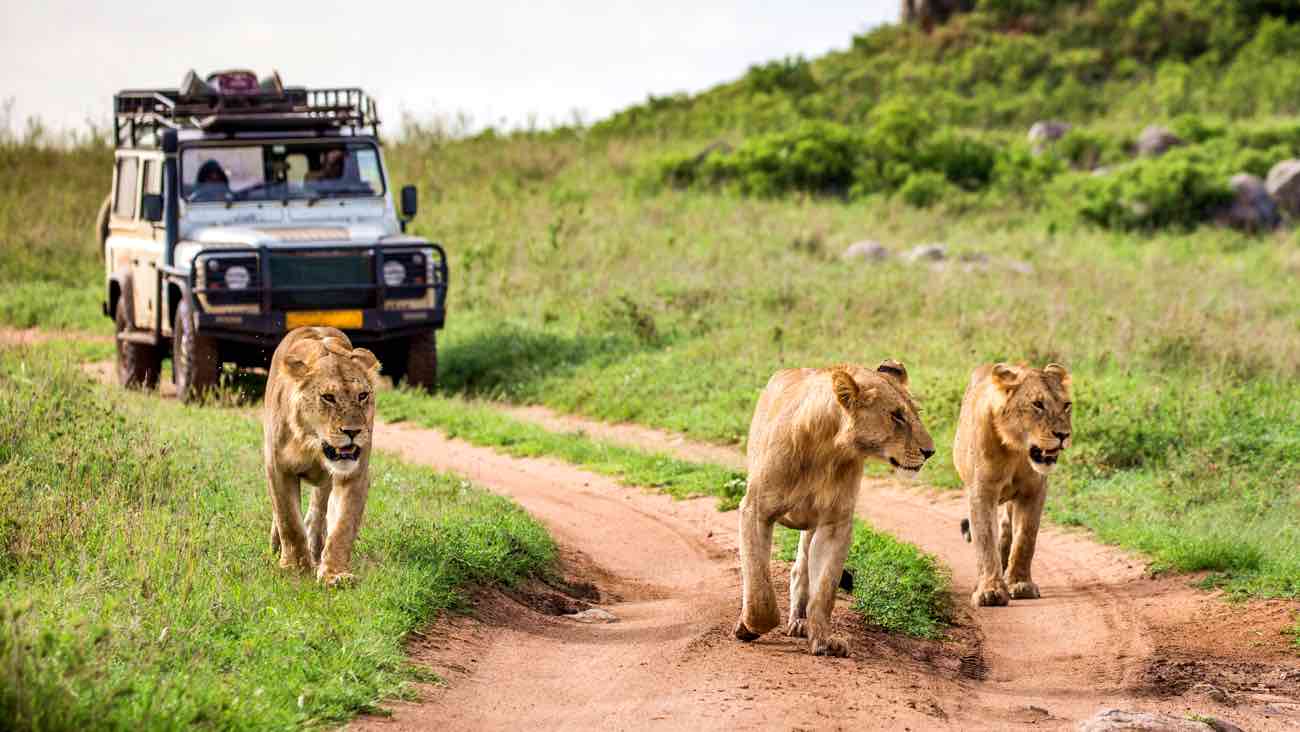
x,y
242,209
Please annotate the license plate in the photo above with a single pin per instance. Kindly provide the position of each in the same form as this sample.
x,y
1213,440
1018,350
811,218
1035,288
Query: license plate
x,y
333,318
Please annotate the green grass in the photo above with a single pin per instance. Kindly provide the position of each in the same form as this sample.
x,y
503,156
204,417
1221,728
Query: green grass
x,y
482,425
895,585
137,590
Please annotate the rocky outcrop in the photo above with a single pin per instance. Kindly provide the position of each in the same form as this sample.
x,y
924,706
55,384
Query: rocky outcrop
x,y
1115,720
1283,185
1252,208
1043,133
1156,141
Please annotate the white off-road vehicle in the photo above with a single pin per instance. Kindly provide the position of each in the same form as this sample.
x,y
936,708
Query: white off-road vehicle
x,y
242,209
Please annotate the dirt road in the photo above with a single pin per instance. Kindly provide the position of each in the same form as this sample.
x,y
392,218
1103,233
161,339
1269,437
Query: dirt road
x,y
1102,636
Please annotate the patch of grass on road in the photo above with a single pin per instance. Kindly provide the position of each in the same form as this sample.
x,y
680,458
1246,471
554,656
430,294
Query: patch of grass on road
x,y
137,589
895,585
483,425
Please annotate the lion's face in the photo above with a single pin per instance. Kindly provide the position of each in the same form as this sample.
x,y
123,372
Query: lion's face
x,y
334,400
1036,414
880,418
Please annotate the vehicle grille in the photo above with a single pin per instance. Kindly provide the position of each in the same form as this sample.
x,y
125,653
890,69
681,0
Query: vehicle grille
x,y
347,280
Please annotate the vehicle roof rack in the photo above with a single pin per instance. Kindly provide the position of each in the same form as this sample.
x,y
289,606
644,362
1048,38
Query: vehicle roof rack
x,y
229,103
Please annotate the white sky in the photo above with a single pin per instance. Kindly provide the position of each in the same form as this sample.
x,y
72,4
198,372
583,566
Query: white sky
x,y
62,60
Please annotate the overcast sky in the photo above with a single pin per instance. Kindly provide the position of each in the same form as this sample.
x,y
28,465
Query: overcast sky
x,y
62,60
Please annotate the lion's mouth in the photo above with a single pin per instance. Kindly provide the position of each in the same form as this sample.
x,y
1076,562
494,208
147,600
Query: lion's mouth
x,y
1043,457
909,468
337,454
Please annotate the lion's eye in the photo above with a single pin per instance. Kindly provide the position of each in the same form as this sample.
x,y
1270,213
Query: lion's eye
x,y
1038,405
1068,405
363,397
899,417
328,399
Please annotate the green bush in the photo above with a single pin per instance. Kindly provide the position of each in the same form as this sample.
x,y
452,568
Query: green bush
x,y
1180,189
923,189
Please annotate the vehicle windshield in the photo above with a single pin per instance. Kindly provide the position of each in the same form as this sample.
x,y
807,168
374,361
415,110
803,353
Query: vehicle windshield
x,y
280,171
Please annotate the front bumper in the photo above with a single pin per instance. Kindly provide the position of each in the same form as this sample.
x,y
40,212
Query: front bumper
x,y
351,295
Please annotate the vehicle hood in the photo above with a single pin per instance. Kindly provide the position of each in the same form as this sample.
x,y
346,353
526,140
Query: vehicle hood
x,y
256,236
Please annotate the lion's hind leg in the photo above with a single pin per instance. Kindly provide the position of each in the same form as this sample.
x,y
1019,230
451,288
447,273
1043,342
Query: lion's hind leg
x,y
797,626
758,613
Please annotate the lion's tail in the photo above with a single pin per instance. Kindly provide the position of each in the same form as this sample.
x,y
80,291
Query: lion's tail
x,y
965,529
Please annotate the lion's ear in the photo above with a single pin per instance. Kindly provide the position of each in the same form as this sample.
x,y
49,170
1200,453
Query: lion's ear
x,y
1007,376
893,368
302,357
847,391
1060,372
367,359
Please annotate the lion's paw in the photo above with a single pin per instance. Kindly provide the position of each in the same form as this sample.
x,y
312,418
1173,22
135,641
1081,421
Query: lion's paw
x,y
990,595
300,562
833,645
1024,591
337,579
797,628
742,632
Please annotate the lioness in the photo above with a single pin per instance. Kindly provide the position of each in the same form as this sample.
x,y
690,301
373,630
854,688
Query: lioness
x,y
1014,423
318,418
812,430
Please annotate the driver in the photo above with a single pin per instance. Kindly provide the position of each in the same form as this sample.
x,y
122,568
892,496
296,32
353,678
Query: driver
x,y
331,166
211,183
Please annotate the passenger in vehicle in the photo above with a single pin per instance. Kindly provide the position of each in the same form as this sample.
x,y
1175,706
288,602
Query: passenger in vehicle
x,y
211,184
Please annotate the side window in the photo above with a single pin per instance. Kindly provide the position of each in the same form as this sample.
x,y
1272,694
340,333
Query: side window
x,y
124,203
152,177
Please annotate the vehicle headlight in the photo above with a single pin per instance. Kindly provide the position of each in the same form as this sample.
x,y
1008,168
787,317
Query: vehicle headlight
x,y
237,277
394,273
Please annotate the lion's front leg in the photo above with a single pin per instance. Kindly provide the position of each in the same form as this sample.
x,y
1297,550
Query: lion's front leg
x,y
316,510
758,613
797,625
826,553
347,504
286,512
992,589
1028,512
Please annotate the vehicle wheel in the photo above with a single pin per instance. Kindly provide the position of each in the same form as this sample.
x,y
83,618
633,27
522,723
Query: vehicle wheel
x,y
195,365
101,223
422,361
137,364
392,360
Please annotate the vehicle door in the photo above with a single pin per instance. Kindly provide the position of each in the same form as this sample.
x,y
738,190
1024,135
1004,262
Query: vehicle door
x,y
135,245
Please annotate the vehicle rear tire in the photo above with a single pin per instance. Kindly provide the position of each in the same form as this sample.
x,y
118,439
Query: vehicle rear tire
x,y
422,361
196,367
138,364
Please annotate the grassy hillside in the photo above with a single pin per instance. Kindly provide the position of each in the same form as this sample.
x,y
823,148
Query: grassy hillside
x,y
587,277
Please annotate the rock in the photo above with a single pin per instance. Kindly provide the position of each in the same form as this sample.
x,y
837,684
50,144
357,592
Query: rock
x,y
1156,141
927,252
1115,720
1213,693
1252,209
1019,266
593,615
1043,133
867,250
1283,185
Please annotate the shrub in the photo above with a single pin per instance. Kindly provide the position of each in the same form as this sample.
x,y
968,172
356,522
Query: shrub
x,y
1180,189
923,189
791,75
816,157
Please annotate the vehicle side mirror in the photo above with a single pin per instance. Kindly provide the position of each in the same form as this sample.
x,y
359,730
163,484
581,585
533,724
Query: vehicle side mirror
x,y
151,207
410,202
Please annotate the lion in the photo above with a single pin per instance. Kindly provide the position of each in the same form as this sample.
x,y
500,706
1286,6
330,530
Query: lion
x,y
811,433
1014,424
318,419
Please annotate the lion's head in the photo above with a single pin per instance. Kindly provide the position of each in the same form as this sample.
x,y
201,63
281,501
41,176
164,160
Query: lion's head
x,y
1035,416
880,420
333,402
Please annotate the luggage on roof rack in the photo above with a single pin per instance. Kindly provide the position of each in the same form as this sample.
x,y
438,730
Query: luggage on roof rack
x,y
236,101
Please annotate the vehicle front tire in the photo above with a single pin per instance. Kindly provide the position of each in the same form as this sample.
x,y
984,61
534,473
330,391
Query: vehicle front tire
x,y
422,361
196,368
138,364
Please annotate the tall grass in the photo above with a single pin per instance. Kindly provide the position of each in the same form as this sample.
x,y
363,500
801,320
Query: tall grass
x,y
137,590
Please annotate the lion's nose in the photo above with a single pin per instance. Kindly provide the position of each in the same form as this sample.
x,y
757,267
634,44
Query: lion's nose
x,y
352,434
927,454
1062,436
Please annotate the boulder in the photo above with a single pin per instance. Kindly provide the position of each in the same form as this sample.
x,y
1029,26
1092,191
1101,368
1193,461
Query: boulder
x,y
1156,141
1115,720
1283,184
1043,133
927,253
866,250
1252,208
593,615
